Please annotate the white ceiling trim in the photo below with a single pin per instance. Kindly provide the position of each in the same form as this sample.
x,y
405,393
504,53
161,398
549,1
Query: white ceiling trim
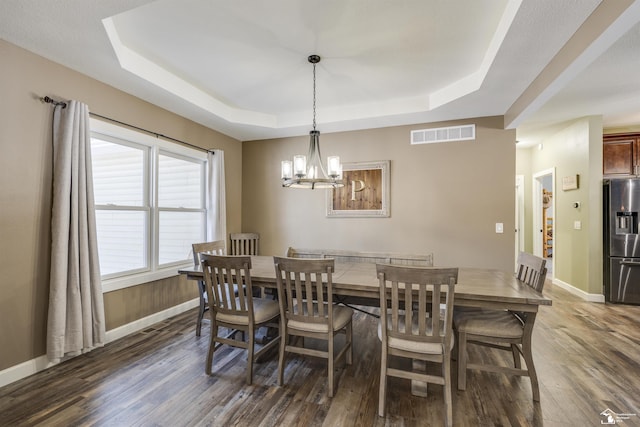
x,y
472,82
159,76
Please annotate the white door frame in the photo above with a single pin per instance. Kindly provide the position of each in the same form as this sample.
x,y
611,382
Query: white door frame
x,y
520,238
538,227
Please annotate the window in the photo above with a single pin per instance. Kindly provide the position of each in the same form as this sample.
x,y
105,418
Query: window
x,y
150,204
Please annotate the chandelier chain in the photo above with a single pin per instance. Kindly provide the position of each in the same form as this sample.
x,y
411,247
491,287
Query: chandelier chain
x,y
314,96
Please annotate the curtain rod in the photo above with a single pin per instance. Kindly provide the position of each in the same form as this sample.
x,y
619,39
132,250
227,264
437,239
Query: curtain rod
x,y
48,100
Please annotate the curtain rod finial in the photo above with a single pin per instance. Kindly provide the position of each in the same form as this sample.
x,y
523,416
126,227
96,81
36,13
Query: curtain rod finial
x,y
48,100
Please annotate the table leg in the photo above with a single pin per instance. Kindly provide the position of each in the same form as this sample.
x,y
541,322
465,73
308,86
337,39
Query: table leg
x,y
419,388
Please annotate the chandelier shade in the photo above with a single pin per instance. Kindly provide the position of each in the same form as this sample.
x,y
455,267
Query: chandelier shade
x,y
308,171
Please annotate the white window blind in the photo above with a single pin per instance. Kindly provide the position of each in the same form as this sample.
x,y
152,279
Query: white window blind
x,y
181,207
122,205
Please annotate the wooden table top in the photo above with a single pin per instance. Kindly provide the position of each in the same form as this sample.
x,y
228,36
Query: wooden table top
x,y
476,287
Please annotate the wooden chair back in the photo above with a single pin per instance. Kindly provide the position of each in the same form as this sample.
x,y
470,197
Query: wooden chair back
x,y
412,292
305,289
216,248
532,270
340,255
228,284
244,243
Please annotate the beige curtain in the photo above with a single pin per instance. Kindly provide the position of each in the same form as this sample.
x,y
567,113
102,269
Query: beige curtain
x,y
216,197
76,312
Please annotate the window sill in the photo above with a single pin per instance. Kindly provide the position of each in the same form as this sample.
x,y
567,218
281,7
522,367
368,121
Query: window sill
x,y
110,285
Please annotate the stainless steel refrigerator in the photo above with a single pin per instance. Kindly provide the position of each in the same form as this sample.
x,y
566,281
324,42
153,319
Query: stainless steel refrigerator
x,y
621,240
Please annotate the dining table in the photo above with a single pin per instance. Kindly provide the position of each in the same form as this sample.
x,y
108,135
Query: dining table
x,y
357,283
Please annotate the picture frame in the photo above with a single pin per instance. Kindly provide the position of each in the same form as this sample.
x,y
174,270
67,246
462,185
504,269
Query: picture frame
x,y
571,182
365,193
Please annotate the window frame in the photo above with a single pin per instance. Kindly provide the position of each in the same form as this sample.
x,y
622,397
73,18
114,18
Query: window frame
x,y
154,148
159,209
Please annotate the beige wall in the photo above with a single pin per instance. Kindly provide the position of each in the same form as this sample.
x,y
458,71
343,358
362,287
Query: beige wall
x,y
576,149
25,195
445,198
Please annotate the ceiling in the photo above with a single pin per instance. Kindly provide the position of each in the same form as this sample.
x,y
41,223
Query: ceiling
x,y
240,67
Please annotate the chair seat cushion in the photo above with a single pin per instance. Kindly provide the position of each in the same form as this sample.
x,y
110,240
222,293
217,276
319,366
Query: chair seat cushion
x,y
490,323
341,318
410,345
263,311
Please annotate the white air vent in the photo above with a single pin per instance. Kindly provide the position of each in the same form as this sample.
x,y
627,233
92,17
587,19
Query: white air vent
x,y
453,133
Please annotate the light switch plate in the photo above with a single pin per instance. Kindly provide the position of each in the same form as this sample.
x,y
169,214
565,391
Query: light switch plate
x,y
577,225
499,227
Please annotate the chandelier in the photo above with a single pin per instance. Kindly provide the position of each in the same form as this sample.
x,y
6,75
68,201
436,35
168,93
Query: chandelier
x,y
308,172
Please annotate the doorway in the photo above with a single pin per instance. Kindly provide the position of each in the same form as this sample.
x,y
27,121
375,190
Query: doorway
x,y
544,217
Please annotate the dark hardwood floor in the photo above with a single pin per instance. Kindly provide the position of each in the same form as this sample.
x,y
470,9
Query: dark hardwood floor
x,y
587,356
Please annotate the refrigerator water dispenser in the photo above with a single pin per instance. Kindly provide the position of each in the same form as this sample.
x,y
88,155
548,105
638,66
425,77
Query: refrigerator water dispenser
x,y
626,222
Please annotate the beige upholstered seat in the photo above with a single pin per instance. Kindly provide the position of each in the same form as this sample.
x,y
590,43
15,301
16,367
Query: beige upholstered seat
x,y
412,293
502,329
491,323
410,345
216,248
226,276
244,243
299,281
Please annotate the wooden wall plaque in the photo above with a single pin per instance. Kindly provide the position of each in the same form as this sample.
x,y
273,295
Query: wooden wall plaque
x,y
365,193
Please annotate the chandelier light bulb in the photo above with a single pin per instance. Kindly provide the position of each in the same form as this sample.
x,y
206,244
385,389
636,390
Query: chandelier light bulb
x,y
287,169
299,165
333,166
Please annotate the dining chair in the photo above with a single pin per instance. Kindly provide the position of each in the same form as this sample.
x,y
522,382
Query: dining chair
x,y
305,294
413,326
244,243
217,248
232,306
502,329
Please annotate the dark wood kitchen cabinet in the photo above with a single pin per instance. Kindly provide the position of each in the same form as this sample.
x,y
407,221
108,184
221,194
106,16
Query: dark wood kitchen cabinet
x,y
621,154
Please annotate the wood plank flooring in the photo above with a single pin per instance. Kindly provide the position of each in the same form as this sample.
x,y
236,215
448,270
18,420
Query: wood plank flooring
x,y
587,356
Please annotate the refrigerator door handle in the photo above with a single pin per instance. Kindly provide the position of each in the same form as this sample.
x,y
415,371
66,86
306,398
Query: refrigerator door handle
x,y
630,263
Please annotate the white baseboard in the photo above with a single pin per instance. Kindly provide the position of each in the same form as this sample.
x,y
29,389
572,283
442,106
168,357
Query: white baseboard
x,y
24,369
145,322
40,363
578,292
